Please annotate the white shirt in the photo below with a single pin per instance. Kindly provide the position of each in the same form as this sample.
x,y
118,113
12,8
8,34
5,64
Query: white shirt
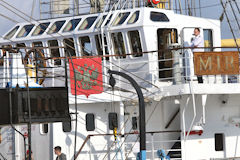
x,y
198,42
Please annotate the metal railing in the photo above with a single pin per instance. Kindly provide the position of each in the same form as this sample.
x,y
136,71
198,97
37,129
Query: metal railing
x,y
56,9
168,67
127,145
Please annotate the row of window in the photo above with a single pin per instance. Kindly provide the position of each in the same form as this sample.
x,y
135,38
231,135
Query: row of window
x,y
86,24
90,122
112,121
87,49
71,25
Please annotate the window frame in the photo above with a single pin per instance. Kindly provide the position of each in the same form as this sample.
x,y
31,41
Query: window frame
x,y
130,44
212,39
50,52
160,14
71,21
44,23
74,46
42,128
16,29
56,31
121,56
87,27
121,15
138,16
89,129
25,32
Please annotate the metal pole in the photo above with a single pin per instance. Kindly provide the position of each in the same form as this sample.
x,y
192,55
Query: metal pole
x,y
229,23
29,122
75,97
141,109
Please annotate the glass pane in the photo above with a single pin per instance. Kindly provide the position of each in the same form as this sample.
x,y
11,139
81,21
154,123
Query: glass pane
x,y
98,40
109,19
11,33
69,46
119,48
112,120
71,25
158,17
54,51
120,19
100,21
56,27
208,39
25,31
135,43
134,18
40,61
90,122
40,29
85,46
87,23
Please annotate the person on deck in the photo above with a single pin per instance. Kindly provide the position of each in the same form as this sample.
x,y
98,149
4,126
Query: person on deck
x,y
197,44
58,152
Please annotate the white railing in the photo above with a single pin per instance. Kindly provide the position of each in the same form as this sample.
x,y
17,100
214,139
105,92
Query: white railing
x,y
103,146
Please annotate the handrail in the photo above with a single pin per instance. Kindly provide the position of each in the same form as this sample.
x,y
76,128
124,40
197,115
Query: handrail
x,y
3,156
122,135
173,117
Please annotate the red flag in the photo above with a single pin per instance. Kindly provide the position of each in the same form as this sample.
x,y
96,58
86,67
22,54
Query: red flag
x,y
88,76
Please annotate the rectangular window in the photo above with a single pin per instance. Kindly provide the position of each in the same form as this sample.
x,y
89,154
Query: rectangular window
x,y
85,46
158,17
44,128
165,38
11,33
120,19
219,141
71,25
98,40
39,55
38,44
90,122
208,39
87,23
134,123
56,27
40,29
135,43
100,21
25,31
54,52
118,43
67,126
134,18
112,120
69,46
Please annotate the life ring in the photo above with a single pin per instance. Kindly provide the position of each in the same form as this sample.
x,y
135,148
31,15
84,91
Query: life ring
x,y
33,63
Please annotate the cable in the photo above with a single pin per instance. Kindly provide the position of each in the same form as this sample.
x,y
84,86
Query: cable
x,y
79,44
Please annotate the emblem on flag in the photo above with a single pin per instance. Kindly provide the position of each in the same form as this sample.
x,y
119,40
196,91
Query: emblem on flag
x,y
88,76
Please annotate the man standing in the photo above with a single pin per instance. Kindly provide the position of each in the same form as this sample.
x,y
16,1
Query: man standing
x,y
60,155
197,42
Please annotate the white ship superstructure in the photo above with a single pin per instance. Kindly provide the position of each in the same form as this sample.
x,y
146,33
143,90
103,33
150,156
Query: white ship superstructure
x,y
185,119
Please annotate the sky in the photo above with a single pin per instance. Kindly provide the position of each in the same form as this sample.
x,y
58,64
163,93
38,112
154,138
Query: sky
x,y
211,9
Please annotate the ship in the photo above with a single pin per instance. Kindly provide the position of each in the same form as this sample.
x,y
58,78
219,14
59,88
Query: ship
x,y
125,78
